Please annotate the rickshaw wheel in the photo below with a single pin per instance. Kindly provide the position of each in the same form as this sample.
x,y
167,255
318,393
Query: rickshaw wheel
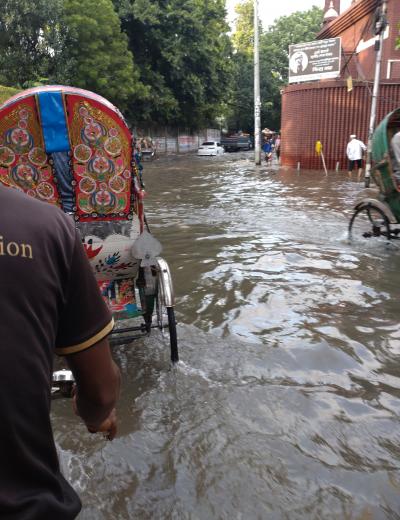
x,y
168,313
369,221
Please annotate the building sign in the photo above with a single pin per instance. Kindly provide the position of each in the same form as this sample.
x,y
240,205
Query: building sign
x,y
314,60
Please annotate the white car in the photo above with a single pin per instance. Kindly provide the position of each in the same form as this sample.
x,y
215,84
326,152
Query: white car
x,y
210,148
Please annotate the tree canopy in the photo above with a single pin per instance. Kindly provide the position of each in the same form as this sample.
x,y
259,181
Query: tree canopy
x,y
96,55
298,27
183,50
243,37
168,62
7,92
28,32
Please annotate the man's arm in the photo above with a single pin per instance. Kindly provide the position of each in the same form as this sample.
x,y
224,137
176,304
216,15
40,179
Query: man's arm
x,y
84,324
97,387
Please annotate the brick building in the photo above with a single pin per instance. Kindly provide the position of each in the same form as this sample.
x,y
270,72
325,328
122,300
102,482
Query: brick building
x,y
325,109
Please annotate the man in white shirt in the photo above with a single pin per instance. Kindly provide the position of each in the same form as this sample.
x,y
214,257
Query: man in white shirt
x,y
355,149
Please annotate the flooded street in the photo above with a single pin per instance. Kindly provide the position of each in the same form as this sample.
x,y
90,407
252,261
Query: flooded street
x,y
285,404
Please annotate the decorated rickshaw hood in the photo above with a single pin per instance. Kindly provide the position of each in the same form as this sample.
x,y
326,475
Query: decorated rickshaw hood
x,y
70,147
64,90
380,144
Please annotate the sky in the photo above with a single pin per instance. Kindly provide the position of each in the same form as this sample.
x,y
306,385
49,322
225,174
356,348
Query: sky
x,y
269,10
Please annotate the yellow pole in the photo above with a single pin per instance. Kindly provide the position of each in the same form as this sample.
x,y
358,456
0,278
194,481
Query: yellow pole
x,y
318,149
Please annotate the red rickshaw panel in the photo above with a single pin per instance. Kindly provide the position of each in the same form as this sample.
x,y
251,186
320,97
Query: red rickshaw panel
x,y
101,154
24,163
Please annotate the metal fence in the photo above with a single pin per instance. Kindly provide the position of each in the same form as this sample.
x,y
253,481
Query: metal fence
x,y
170,140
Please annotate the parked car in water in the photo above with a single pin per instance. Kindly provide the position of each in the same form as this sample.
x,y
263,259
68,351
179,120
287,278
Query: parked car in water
x,y
210,148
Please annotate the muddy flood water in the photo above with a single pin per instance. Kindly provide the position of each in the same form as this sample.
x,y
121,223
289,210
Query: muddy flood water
x,y
286,402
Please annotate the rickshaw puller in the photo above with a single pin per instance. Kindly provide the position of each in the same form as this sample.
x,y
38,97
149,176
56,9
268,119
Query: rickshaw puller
x,y
50,303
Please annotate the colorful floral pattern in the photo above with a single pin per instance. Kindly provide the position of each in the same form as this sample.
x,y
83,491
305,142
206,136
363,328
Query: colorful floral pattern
x,y
7,156
23,161
82,153
101,156
37,156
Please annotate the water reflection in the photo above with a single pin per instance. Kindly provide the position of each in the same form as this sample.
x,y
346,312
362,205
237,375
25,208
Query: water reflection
x,y
286,403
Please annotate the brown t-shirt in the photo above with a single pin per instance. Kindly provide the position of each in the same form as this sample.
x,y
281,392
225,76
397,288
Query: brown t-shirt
x,y
49,302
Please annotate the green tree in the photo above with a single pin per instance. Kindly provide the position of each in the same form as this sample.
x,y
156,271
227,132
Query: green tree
x,y
183,51
6,93
243,37
96,55
240,109
29,33
301,26
298,27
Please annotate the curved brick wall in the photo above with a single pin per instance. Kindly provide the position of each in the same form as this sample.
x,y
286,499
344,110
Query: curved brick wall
x,y
324,110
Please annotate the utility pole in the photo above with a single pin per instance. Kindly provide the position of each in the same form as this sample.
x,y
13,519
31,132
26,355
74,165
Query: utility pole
x,y
380,27
257,99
